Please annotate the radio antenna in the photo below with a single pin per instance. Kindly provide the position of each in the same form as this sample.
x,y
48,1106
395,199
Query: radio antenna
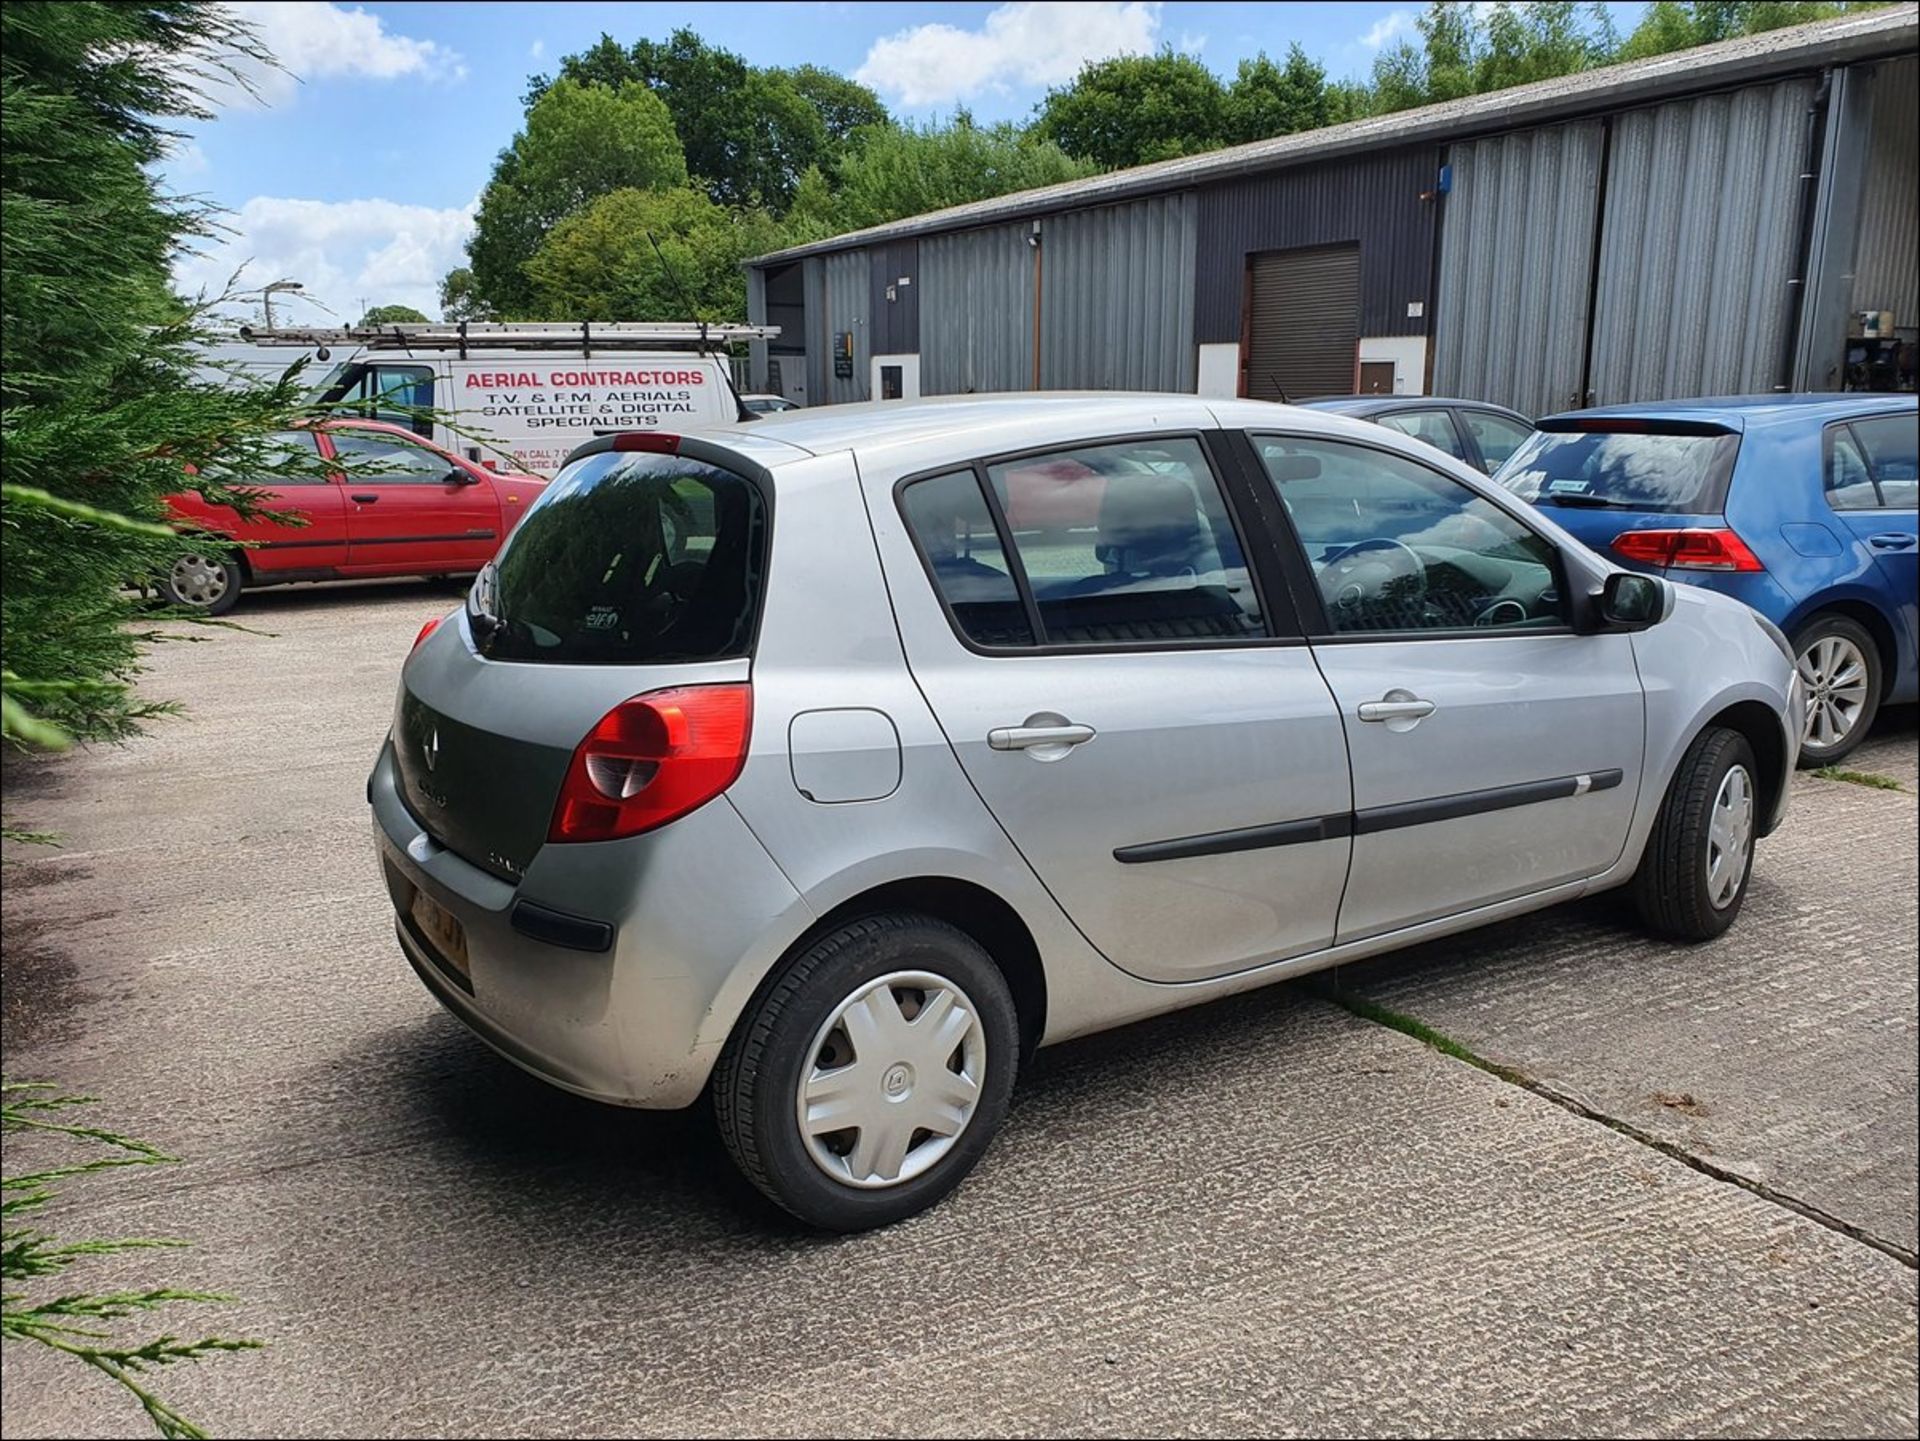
x,y
725,363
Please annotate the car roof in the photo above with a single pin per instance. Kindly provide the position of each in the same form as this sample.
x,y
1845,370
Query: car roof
x,y
989,424
1752,412
1385,404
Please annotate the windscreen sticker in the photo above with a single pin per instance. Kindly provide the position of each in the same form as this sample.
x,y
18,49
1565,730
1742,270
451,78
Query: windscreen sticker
x,y
1576,487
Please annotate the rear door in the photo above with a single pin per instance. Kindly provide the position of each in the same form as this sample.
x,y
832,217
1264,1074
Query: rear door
x,y
1132,703
1873,485
410,509
1495,753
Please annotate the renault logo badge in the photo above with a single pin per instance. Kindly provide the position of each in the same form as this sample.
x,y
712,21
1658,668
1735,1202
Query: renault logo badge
x,y
432,749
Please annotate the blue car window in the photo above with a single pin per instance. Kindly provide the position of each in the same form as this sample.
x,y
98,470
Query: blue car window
x,y
1849,481
1892,446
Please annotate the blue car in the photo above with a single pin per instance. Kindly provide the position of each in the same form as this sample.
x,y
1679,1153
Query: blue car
x,y
1803,506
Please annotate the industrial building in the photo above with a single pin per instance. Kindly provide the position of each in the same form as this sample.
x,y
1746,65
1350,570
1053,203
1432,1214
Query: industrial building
x,y
1740,217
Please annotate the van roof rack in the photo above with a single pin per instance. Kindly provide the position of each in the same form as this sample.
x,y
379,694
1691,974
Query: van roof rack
x,y
497,335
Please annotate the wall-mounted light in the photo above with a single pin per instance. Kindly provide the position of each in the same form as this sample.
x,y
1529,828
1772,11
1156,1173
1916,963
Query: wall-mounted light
x,y
1033,235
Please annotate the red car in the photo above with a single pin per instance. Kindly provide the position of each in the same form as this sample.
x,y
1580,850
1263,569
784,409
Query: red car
x,y
393,505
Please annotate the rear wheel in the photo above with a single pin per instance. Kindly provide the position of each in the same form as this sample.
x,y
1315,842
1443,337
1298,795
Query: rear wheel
x,y
205,582
867,1082
1841,667
1693,875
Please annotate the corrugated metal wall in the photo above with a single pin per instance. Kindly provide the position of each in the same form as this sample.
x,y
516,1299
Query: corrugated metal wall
x,y
844,307
1116,297
1699,241
1886,265
1373,201
1516,267
896,322
976,311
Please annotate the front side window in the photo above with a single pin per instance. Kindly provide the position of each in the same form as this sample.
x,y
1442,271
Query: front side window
x,y
1435,427
377,458
1496,435
1892,446
628,558
1395,546
397,394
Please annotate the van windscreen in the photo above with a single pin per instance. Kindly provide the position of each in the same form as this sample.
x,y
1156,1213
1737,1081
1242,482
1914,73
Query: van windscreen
x,y
627,558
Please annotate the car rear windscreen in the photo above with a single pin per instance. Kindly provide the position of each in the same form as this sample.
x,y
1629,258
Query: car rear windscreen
x,y
1656,468
628,558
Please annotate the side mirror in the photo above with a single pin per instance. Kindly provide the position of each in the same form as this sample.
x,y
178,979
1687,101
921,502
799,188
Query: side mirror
x,y
458,476
1632,601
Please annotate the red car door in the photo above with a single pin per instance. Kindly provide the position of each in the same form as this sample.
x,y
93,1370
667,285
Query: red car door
x,y
275,547
412,509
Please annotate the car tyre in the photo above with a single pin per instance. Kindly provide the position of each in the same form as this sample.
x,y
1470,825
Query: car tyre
x,y
836,1021
1838,660
1694,872
207,582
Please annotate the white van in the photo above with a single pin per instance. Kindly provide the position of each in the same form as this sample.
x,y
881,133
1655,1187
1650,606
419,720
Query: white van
x,y
526,394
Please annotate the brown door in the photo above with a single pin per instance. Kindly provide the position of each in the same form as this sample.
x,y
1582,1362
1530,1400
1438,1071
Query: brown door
x,y
1303,322
1376,377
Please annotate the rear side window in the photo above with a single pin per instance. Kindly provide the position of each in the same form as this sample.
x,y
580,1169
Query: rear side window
x,y
1432,426
1496,435
950,519
1849,482
628,558
1684,472
1892,446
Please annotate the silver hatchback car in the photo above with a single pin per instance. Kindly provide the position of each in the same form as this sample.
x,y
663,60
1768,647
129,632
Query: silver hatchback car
x,y
832,764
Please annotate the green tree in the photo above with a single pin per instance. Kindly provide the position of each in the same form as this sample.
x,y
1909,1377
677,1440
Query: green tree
x,y
907,170
749,133
459,300
102,400
1136,108
600,264
580,141
1667,26
393,315
1267,99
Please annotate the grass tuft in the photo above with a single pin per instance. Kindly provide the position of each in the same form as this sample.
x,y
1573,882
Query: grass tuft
x,y
1859,778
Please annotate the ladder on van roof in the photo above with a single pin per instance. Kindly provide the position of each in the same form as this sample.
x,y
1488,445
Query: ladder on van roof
x,y
498,335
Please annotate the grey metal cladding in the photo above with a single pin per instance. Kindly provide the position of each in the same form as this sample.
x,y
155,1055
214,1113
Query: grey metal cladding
x,y
1699,240
1374,200
1886,263
1116,296
976,311
813,303
896,320
848,303
1516,265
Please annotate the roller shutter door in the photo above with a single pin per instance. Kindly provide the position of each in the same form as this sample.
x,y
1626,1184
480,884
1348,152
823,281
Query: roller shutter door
x,y
1303,322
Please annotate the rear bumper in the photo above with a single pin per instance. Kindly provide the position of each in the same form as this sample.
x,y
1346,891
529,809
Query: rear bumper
x,y
639,1023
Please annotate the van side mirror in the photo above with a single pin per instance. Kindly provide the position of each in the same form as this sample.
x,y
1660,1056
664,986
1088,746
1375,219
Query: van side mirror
x,y
1632,601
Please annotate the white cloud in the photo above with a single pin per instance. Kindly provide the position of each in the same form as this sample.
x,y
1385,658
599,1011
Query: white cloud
x,y
1191,43
537,49
1388,28
342,252
1028,42
312,40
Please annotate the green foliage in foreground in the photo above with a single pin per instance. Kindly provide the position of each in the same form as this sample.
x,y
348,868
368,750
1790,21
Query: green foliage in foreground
x,y
103,405
34,1262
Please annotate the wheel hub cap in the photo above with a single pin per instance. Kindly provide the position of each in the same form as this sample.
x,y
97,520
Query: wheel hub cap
x,y
1729,837
197,580
892,1080
1836,676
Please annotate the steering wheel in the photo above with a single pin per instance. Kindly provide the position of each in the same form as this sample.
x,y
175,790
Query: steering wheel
x,y
1354,572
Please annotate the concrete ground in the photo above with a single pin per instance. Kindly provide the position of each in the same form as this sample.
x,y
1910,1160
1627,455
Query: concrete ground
x,y
1682,1201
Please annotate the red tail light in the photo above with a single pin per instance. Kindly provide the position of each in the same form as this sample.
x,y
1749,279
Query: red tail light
x,y
1700,549
426,630
647,440
652,759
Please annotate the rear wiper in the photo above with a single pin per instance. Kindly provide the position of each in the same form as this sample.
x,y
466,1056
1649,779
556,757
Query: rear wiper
x,y
1584,502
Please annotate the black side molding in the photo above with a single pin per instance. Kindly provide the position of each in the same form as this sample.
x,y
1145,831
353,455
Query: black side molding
x,y
557,928
1473,803
1371,820
1252,838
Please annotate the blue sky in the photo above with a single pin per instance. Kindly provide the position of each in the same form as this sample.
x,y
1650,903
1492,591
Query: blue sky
x,y
355,170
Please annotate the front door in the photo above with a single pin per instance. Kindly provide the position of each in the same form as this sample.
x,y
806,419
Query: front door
x,y
1146,728
410,509
1495,753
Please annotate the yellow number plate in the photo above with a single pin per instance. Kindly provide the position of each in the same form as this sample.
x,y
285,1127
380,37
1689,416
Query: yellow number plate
x,y
443,929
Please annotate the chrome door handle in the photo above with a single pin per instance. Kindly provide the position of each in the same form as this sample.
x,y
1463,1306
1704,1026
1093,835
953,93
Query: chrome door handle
x,y
1890,540
1389,710
1026,738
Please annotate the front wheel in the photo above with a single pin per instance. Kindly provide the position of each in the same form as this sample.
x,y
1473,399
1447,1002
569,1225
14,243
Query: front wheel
x,y
1693,874
867,1082
208,583
1841,667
